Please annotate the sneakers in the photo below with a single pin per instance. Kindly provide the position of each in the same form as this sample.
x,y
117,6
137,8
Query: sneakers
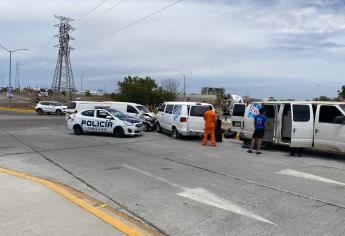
x,y
251,151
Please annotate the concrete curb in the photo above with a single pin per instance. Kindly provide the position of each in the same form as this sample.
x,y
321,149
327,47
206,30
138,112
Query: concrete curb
x,y
16,109
90,204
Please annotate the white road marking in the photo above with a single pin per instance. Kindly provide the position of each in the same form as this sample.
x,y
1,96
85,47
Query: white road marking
x,y
208,198
308,176
203,196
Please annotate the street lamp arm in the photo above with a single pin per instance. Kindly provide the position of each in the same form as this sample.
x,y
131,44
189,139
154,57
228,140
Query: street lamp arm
x,y
20,49
180,73
4,48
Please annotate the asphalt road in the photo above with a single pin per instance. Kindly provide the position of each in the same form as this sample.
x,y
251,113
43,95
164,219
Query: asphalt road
x,y
181,187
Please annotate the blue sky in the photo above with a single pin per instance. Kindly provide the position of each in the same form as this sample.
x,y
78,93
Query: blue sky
x,y
261,48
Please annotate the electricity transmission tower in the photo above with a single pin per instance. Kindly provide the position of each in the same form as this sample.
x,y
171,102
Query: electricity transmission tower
x,y
63,76
16,81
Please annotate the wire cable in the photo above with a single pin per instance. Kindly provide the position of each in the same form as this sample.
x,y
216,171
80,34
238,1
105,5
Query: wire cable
x,y
102,13
92,10
131,24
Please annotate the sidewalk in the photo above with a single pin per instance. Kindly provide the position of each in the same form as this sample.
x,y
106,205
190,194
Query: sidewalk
x,y
29,208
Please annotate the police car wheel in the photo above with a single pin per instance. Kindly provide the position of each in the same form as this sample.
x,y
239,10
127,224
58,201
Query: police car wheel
x,y
39,111
119,132
175,134
59,112
158,128
77,130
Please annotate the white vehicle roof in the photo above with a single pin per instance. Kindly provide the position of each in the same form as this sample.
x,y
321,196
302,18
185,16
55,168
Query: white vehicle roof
x,y
84,102
187,103
301,102
124,103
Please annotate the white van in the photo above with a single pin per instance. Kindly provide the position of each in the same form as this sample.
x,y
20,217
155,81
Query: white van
x,y
76,106
135,110
317,125
182,118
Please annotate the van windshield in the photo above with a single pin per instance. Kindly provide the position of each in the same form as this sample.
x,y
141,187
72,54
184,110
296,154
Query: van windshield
x,y
342,106
143,109
71,105
116,113
198,110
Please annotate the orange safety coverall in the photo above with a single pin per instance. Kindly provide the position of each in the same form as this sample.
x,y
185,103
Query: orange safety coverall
x,y
210,127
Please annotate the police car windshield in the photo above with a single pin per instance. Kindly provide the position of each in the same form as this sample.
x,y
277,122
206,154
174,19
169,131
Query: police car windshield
x,y
143,109
116,113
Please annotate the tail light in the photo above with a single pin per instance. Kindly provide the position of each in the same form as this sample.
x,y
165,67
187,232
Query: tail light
x,y
183,119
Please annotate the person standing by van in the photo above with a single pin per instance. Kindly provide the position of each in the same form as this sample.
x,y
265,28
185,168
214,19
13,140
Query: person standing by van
x,y
210,126
259,132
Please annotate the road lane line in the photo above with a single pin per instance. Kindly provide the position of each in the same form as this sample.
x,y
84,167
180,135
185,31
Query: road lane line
x,y
90,208
308,176
208,198
203,196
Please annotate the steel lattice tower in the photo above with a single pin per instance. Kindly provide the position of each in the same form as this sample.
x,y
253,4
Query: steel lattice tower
x,y
63,76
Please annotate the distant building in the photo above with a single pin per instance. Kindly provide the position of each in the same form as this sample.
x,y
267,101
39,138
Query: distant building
x,y
213,91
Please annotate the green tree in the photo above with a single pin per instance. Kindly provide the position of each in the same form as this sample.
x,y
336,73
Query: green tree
x,y
87,93
341,92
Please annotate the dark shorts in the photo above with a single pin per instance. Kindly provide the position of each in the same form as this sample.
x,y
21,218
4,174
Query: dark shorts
x,y
259,133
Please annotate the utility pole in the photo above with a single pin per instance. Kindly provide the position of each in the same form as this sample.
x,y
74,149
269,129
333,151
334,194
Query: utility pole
x,y
16,80
10,89
184,83
81,85
63,76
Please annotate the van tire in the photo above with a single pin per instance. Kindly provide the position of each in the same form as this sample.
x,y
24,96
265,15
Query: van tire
x,y
119,132
39,111
59,112
158,128
175,134
78,130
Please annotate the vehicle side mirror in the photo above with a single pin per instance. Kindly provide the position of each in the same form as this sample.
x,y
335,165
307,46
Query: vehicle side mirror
x,y
339,120
109,117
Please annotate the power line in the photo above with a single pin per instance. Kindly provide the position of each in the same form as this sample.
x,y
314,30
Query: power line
x,y
71,5
92,10
102,13
131,24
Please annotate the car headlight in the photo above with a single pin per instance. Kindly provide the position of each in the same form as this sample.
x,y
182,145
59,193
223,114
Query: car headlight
x,y
128,123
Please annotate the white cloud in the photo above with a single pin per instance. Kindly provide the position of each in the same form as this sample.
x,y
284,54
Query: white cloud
x,y
274,43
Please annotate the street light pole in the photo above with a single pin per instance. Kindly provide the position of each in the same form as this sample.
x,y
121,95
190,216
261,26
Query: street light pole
x,y
10,71
184,83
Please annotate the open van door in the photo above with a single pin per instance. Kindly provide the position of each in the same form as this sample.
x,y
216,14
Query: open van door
x,y
196,121
302,125
237,117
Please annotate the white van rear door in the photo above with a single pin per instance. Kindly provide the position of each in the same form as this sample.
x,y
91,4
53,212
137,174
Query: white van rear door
x,y
196,121
237,117
302,125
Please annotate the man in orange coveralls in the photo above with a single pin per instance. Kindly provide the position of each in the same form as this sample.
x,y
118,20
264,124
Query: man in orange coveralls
x,y
210,126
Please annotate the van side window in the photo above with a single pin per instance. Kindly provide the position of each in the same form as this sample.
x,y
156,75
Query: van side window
x,y
88,113
239,110
169,109
161,108
198,111
71,105
329,114
301,113
131,109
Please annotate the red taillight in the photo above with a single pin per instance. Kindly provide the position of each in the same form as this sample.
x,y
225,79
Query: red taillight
x,y
183,119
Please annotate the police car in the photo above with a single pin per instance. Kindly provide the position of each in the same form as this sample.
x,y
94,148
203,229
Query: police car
x,y
104,120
